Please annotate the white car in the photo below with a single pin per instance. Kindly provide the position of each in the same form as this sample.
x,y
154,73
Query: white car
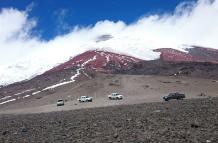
x,y
85,99
115,96
60,102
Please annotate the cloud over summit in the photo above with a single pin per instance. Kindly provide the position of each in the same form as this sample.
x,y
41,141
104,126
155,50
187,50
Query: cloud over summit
x,y
192,23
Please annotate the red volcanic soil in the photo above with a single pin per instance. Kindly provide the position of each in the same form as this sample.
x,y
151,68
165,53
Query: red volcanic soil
x,y
168,54
195,54
97,60
101,60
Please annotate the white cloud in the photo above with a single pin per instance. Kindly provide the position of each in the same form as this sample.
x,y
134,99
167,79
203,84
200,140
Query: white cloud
x,y
23,56
15,40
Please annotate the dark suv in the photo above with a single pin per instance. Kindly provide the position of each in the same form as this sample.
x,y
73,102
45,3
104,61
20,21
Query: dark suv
x,y
175,95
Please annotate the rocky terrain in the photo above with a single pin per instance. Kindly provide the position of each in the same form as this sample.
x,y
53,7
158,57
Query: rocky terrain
x,y
191,54
187,121
159,67
135,88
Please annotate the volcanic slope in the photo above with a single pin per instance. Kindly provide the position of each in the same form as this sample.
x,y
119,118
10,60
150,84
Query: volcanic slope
x,y
135,88
83,75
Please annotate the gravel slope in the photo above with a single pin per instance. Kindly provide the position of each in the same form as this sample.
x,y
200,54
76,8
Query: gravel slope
x,y
135,88
193,120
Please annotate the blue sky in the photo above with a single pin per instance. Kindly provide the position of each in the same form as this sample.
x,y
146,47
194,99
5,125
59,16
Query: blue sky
x,y
57,17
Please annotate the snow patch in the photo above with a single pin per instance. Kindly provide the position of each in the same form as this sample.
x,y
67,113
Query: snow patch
x,y
76,75
86,62
107,59
26,96
24,91
37,92
8,101
6,97
66,82
73,77
57,85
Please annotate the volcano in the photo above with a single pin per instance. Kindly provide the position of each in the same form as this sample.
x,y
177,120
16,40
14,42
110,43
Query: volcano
x,y
197,62
107,62
102,61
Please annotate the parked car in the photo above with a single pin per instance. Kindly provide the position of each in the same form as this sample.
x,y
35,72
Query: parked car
x,y
60,102
85,99
176,95
115,96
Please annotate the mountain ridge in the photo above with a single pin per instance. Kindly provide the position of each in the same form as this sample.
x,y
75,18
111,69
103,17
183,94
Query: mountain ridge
x,y
107,62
